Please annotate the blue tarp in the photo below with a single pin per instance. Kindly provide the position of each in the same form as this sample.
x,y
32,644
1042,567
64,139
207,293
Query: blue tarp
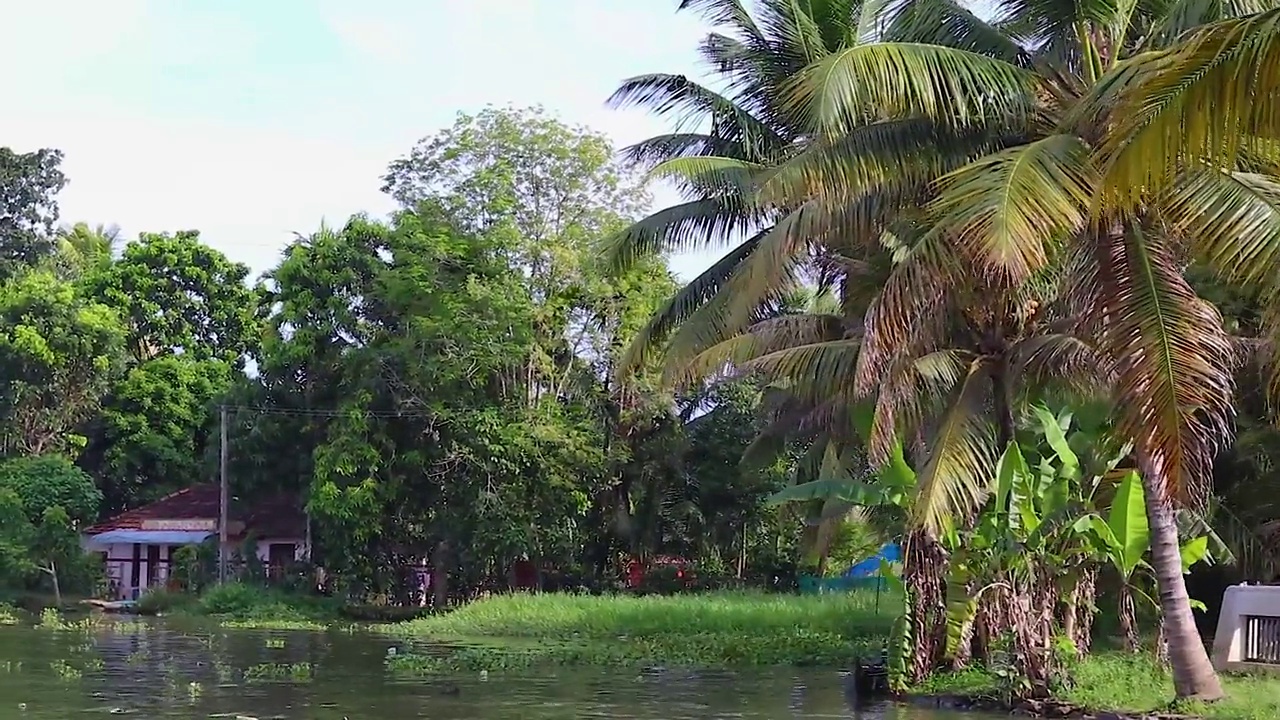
x,y
151,537
871,566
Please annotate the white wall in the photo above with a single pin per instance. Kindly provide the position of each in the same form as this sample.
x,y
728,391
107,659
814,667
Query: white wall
x,y
119,567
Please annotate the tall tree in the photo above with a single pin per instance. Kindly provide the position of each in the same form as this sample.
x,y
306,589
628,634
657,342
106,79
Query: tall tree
x,y
29,183
59,352
178,295
1043,97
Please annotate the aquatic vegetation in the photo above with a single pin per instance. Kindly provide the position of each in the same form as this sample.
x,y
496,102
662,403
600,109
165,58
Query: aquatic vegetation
x,y
856,615
274,642
65,670
273,624
278,671
8,614
51,619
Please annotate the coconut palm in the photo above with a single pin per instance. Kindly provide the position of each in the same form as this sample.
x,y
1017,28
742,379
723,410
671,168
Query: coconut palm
x,y
1120,142
1089,89
742,133
82,247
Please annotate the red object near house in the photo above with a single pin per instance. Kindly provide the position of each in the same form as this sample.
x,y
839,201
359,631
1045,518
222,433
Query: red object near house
x,y
636,569
635,573
526,575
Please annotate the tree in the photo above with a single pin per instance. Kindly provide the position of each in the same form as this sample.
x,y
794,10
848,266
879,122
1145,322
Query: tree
x,y
58,354
1014,204
83,249
28,208
178,295
741,136
153,429
44,501
45,481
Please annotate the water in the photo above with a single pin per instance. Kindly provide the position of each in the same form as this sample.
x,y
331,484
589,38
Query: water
x,y
158,670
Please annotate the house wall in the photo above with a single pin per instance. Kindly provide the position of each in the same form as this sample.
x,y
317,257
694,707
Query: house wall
x,y
299,547
128,585
129,580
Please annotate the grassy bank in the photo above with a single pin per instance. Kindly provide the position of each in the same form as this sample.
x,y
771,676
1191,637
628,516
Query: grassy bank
x,y
710,630
236,604
1117,681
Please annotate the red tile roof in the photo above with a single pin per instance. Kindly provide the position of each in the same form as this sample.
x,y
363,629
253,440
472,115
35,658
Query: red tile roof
x,y
281,516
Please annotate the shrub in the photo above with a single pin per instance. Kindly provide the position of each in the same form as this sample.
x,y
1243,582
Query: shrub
x,y
160,600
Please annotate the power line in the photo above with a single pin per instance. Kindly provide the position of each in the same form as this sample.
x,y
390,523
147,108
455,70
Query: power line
x,y
327,412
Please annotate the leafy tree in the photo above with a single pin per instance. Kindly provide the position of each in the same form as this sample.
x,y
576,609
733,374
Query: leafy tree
x,y
985,159
44,500
58,354
45,481
178,295
154,427
29,183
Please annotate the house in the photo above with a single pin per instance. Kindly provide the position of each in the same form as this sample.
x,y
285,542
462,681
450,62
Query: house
x,y
137,546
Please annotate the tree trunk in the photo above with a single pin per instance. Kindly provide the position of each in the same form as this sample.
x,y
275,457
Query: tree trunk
x,y
57,589
1193,675
440,576
1129,618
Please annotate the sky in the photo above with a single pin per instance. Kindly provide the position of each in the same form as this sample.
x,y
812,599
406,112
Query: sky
x,y
252,120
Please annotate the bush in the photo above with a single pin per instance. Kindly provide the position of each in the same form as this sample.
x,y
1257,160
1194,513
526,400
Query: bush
x,y
156,601
239,601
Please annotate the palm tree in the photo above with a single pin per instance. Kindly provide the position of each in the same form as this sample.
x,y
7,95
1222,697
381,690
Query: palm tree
x,y
1050,198
83,247
1106,140
743,134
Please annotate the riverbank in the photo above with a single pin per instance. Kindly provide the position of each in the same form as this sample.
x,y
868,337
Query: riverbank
x,y
723,630
712,630
1117,684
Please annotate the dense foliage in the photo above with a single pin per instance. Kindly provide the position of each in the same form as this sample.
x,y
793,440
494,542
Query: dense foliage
x,y
988,289
441,386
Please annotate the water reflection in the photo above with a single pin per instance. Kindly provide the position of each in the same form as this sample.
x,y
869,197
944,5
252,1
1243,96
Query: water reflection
x,y
154,670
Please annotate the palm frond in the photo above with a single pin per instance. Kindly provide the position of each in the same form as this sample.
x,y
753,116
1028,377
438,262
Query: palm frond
x,y
1198,100
1173,365
955,88
760,339
1053,358
682,306
1232,220
951,24
818,370
1008,210
697,224
958,473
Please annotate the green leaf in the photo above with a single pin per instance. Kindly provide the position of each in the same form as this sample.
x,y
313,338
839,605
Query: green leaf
x,y
1193,551
1128,523
1010,470
961,606
1057,439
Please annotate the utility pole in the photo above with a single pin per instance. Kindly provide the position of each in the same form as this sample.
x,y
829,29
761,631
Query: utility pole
x,y
222,499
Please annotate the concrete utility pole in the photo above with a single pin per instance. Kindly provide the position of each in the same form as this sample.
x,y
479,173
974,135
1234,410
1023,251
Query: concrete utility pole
x,y
222,499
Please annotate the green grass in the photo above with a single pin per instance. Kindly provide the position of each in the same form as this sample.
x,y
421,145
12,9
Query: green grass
x,y
246,606
709,630
1121,682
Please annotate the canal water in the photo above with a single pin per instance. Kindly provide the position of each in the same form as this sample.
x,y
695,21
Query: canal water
x,y
145,670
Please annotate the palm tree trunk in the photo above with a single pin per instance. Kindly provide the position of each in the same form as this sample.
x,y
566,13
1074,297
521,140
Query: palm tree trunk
x,y
1193,675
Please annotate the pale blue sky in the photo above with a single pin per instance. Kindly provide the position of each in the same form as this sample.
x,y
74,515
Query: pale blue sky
x,y
252,119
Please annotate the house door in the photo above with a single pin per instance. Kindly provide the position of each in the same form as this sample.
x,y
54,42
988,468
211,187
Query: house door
x,y
153,564
279,557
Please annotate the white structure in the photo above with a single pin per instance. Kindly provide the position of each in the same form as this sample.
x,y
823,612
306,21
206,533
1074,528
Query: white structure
x,y
1248,635
137,546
